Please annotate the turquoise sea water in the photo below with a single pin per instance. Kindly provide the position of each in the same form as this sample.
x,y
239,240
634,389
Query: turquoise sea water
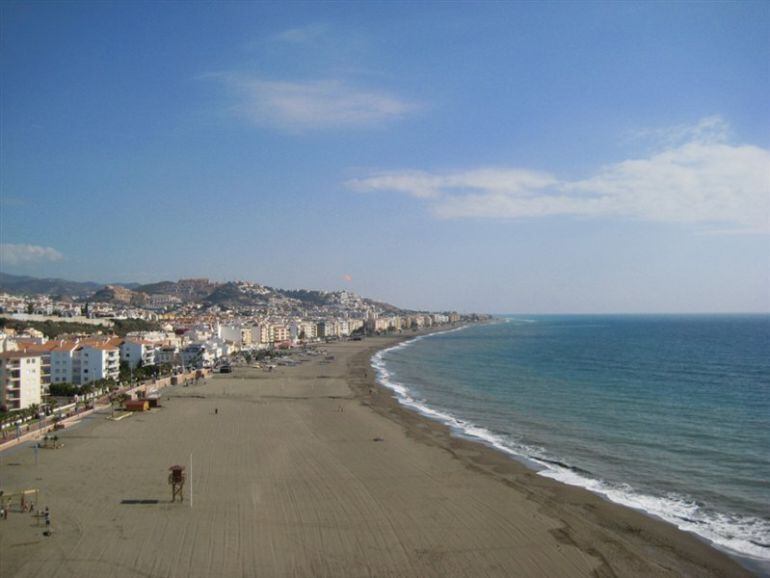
x,y
667,414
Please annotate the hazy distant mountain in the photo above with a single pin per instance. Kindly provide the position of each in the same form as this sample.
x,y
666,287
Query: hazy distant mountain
x,y
23,285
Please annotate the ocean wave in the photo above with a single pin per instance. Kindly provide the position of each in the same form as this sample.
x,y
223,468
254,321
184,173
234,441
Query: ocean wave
x,y
743,535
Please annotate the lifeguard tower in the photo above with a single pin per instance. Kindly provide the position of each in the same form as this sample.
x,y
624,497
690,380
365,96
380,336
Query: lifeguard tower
x,y
176,480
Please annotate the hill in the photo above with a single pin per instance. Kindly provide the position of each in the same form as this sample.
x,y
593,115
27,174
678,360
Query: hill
x,y
234,294
23,285
118,294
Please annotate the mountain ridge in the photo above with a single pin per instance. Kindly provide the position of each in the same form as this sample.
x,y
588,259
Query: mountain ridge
x,y
231,294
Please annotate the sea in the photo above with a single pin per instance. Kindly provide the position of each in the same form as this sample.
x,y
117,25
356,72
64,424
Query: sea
x,y
667,414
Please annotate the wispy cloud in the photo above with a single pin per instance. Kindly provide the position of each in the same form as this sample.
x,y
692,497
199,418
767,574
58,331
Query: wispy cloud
x,y
11,254
312,105
703,180
302,34
708,130
426,185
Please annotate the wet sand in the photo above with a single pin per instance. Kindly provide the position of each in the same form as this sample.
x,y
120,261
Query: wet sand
x,y
315,471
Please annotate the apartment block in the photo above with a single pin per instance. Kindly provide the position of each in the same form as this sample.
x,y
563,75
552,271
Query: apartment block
x,y
95,361
137,352
20,378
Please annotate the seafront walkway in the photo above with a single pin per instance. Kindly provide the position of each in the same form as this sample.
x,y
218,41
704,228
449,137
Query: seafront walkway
x,y
50,424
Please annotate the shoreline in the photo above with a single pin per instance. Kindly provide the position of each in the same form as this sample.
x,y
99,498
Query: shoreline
x,y
486,459
315,470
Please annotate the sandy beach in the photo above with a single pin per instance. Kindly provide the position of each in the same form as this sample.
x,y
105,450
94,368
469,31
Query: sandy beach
x,y
315,471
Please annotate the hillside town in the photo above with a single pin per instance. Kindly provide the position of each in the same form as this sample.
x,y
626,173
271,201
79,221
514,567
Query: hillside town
x,y
193,324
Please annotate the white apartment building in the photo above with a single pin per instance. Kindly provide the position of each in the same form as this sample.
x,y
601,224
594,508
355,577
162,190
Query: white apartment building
x,y
136,351
62,358
95,361
20,380
197,355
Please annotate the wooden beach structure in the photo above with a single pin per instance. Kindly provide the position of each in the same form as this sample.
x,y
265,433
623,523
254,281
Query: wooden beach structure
x,y
25,498
176,480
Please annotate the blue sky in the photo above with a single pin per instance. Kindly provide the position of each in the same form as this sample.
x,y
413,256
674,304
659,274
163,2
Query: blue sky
x,y
594,157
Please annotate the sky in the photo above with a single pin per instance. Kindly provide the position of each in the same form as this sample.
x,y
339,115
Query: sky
x,y
490,157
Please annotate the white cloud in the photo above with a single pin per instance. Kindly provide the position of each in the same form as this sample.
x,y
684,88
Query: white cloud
x,y
703,181
310,105
11,254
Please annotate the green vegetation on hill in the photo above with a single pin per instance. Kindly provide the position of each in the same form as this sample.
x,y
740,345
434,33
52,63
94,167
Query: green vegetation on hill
x,y
124,326
53,329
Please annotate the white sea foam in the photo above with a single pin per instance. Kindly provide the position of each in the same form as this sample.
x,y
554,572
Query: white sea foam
x,y
744,535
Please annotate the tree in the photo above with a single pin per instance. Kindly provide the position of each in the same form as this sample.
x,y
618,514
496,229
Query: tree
x,y
30,308
124,371
63,389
